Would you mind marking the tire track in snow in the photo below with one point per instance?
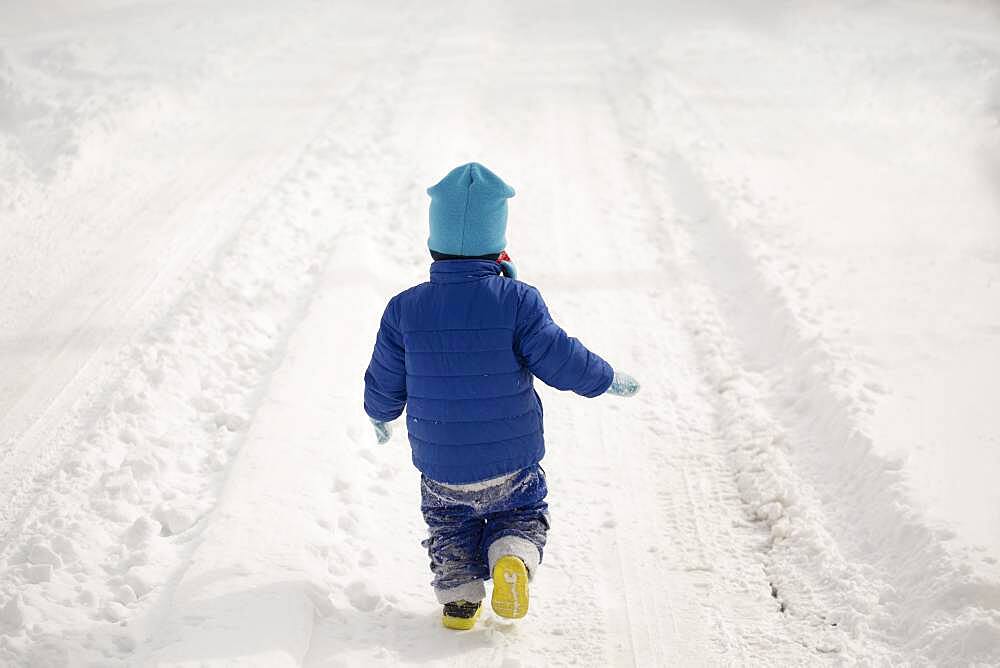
(114, 251)
(792, 426)
(58, 381)
(148, 469)
(681, 575)
(744, 429)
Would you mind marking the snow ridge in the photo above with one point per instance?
(258, 600)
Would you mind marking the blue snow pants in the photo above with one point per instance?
(463, 524)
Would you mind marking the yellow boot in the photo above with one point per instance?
(461, 615)
(510, 587)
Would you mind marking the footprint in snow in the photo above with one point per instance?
(367, 559)
(348, 524)
(362, 596)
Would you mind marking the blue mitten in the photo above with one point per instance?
(623, 385)
(382, 431)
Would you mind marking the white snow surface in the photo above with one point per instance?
(782, 218)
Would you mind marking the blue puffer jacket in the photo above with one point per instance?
(460, 353)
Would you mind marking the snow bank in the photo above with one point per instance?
(90, 563)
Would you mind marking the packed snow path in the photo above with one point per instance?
(207, 210)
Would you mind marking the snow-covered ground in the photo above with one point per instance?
(783, 218)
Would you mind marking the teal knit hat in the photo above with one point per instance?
(468, 213)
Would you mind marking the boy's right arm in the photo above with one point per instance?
(385, 379)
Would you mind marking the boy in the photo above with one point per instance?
(460, 353)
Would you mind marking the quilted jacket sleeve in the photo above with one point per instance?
(553, 356)
(385, 379)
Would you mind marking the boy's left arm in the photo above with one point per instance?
(553, 356)
(385, 379)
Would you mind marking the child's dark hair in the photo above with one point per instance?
(444, 256)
